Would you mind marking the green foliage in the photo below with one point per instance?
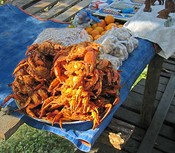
(31, 140)
(2, 2)
(142, 76)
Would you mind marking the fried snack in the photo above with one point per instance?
(60, 84)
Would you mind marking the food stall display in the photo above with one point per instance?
(63, 84)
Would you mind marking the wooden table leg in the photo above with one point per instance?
(150, 91)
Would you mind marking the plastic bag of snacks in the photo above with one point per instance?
(116, 62)
(83, 19)
(64, 36)
(118, 42)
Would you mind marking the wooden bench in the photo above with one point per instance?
(64, 10)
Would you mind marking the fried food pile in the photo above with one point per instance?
(59, 84)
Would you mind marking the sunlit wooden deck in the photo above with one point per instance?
(130, 112)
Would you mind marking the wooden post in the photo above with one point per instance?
(150, 91)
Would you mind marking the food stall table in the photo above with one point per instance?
(17, 43)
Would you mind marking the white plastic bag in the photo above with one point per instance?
(64, 36)
(116, 62)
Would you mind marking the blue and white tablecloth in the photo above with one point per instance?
(19, 30)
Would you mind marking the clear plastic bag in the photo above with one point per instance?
(83, 19)
(64, 36)
(120, 51)
(116, 62)
(121, 33)
(118, 42)
(108, 44)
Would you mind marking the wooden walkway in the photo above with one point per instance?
(130, 113)
(62, 10)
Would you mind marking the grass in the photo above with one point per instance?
(31, 140)
(142, 76)
(2, 2)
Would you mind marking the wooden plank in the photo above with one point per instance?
(168, 66)
(170, 118)
(8, 125)
(172, 58)
(170, 61)
(138, 134)
(72, 11)
(136, 104)
(101, 148)
(40, 6)
(159, 116)
(140, 90)
(162, 81)
(134, 99)
(165, 74)
(132, 146)
(151, 86)
(173, 101)
(134, 118)
(58, 9)
(156, 151)
(161, 88)
(165, 145)
(167, 132)
(104, 142)
(118, 126)
(128, 116)
(23, 4)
